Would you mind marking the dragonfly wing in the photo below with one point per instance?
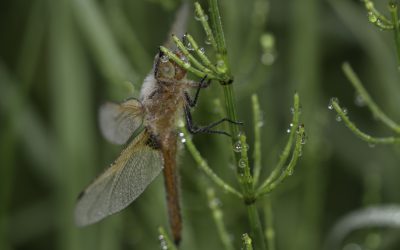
(118, 121)
(121, 183)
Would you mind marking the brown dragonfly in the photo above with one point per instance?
(163, 100)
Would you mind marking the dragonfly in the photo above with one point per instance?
(148, 128)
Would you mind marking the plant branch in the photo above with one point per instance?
(286, 151)
(214, 205)
(269, 222)
(257, 122)
(246, 242)
(290, 167)
(396, 28)
(165, 241)
(376, 111)
(359, 133)
(203, 165)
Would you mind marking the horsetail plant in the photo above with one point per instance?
(363, 98)
(248, 175)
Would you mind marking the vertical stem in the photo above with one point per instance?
(223, 68)
(255, 224)
(231, 110)
(269, 222)
(218, 218)
(257, 139)
(396, 28)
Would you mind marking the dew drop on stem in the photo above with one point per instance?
(359, 100)
(238, 147)
(242, 163)
(338, 118)
(198, 18)
(331, 101)
(345, 110)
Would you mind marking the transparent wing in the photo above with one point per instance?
(118, 121)
(121, 183)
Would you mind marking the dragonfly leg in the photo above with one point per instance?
(202, 84)
(206, 129)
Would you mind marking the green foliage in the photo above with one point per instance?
(60, 60)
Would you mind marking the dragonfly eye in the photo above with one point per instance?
(167, 70)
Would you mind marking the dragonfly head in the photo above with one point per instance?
(166, 68)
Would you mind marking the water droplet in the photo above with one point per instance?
(202, 50)
(338, 118)
(372, 17)
(344, 110)
(359, 100)
(163, 243)
(292, 110)
(183, 140)
(331, 101)
(186, 63)
(379, 22)
(371, 145)
(207, 41)
(288, 130)
(181, 134)
(290, 170)
(291, 125)
(198, 18)
(189, 46)
(242, 163)
(237, 147)
(164, 58)
(260, 123)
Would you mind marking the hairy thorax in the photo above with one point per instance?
(163, 103)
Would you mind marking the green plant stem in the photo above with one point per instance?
(286, 151)
(396, 28)
(290, 167)
(218, 218)
(246, 242)
(203, 19)
(231, 111)
(191, 58)
(269, 222)
(200, 54)
(376, 111)
(381, 21)
(217, 27)
(223, 68)
(359, 133)
(256, 228)
(165, 241)
(257, 122)
(203, 165)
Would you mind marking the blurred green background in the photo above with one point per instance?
(59, 60)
